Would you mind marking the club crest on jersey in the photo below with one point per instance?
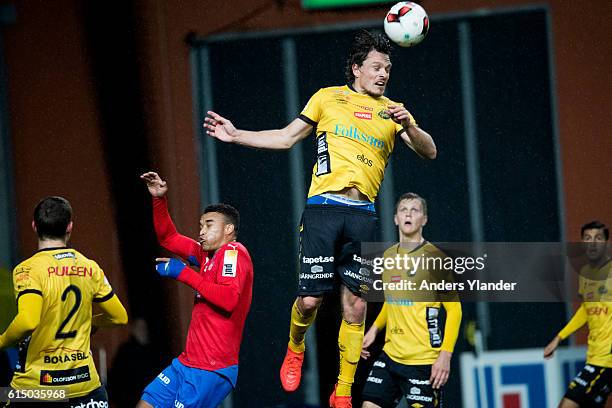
(230, 262)
(383, 114)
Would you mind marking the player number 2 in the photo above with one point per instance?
(77, 302)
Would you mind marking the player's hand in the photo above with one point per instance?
(169, 267)
(440, 370)
(368, 339)
(399, 114)
(157, 187)
(549, 350)
(219, 127)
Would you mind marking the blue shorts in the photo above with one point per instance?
(187, 387)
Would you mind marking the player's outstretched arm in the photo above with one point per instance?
(276, 139)
(416, 138)
(440, 369)
(113, 314)
(25, 322)
(166, 232)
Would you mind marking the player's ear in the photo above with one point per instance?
(229, 229)
(355, 69)
(34, 226)
(395, 220)
(424, 220)
(69, 228)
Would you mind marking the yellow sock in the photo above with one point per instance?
(297, 329)
(350, 340)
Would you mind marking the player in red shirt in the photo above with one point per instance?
(205, 373)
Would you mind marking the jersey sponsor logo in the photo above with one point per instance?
(375, 380)
(596, 311)
(380, 364)
(417, 405)
(178, 404)
(64, 377)
(316, 269)
(415, 391)
(230, 261)
(419, 398)
(64, 358)
(63, 255)
(316, 275)
(92, 403)
(363, 115)
(323, 158)
(364, 160)
(357, 276)
(363, 261)
(397, 330)
(72, 270)
(416, 381)
(318, 259)
(354, 133)
(164, 378)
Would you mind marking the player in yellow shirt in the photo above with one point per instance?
(591, 387)
(55, 290)
(356, 128)
(415, 361)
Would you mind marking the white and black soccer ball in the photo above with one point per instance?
(406, 24)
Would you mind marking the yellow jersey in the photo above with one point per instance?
(57, 354)
(354, 139)
(414, 335)
(596, 291)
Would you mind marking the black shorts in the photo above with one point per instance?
(330, 248)
(591, 387)
(97, 398)
(388, 381)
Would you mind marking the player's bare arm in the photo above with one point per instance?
(368, 339)
(275, 139)
(157, 187)
(550, 348)
(416, 138)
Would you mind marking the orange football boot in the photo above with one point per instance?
(339, 402)
(291, 370)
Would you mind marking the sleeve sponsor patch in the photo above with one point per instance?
(230, 263)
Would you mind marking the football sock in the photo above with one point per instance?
(298, 327)
(350, 340)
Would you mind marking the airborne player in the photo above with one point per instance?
(356, 128)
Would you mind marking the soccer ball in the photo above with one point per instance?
(406, 24)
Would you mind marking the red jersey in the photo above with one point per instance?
(223, 299)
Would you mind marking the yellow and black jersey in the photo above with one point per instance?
(596, 291)
(354, 138)
(414, 334)
(57, 353)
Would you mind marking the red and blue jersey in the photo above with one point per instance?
(223, 296)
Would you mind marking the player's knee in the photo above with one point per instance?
(309, 304)
(354, 311)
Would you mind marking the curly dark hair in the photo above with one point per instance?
(364, 42)
(596, 225)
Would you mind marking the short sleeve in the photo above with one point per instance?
(104, 290)
(311, 113)
(26, 279)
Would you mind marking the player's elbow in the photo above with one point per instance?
(30, 323)
(431, 153)
(121, 319)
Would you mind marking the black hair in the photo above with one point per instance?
(52, 216)
(232, 216)
(411, 196)
(364, 42)
(595, 225)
